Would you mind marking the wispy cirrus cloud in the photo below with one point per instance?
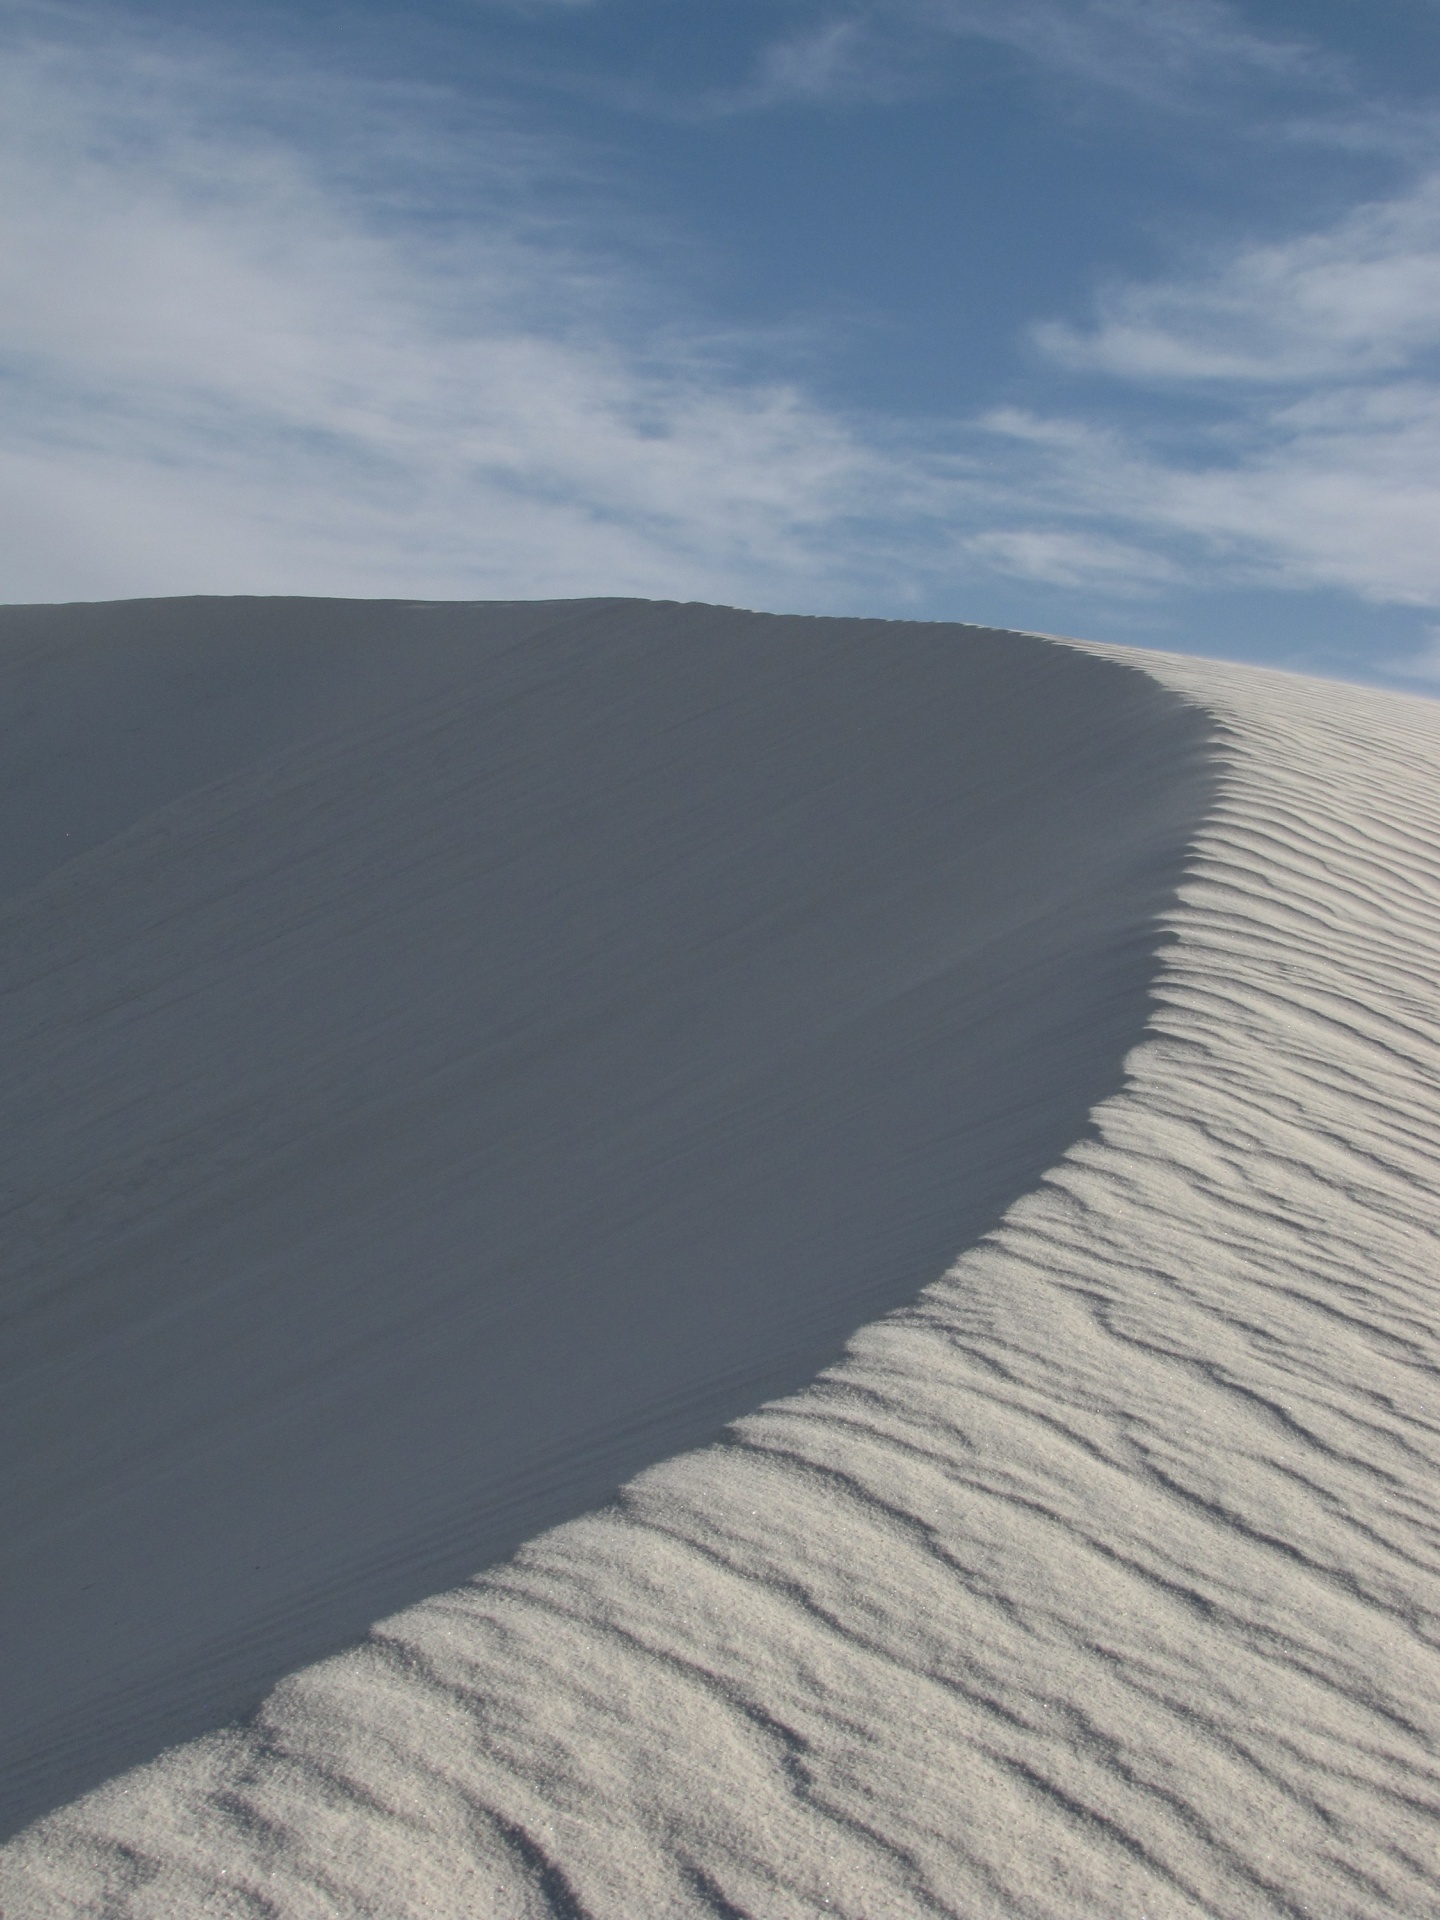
(835, 59)
(1338, 490)
(388, 357)
(1067, 557)
(227, 364)
(1147, 47)
(827, 59)
(1420, 666)
(1358, 298)
(1316, 458)
(1168, 52)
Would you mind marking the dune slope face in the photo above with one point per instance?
(1098, 1579)
(459, 1056)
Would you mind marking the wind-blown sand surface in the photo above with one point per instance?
(459, 1057)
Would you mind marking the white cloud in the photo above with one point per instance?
(1065, 558)
(1316, 462)
(866, 53)
(224, 370)
(228, 366)
(829, 61)
(1139, 46)
(1153, 50)
(1359, 298)
(1339, 490)
(1423, 664)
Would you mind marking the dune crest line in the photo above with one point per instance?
(1098, 1579)
(459, 1056)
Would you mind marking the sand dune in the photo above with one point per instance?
(452, 1087)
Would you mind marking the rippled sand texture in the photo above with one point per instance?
(1100, 1580)
(546, 1034)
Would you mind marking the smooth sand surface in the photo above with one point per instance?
(456, 1107)
(474, 1053)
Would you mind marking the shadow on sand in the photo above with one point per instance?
(461, 1054)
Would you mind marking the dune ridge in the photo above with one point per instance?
(478, 1050)
(1098, 1579)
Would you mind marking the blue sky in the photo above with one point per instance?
(1108, 317)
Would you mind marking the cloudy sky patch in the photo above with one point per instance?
(1078, 314)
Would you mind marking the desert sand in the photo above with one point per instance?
(831, 1224)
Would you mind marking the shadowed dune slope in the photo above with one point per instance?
(457, 1056)
(1100, 1580)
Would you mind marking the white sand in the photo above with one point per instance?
(642, 994)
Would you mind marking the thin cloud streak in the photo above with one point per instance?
(1360, 298)
(205, 336)
(1150, 48)
(1066, 558)
(1339, 491)
(1157, 52)
(1337, 486)
(230, 365)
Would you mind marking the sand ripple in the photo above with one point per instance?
(1101, 1580)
